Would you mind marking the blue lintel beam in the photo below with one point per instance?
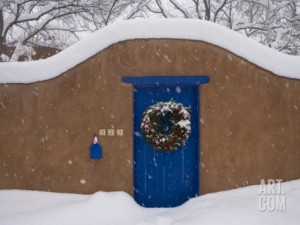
(166, 80)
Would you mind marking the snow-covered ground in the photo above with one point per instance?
(241, 206)
(186, 29)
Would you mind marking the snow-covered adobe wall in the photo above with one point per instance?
(250, 117)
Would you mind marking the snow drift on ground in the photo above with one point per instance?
(234, 207)
(188, 29)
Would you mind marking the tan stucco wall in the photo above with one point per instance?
(250, 120)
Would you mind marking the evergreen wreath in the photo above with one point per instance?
(166, 125)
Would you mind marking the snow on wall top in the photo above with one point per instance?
(188, 29)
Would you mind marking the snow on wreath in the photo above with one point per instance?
(166, 125)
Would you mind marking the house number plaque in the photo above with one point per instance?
(111, 132)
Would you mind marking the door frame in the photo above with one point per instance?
(164, 81)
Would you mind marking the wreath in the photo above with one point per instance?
(166, 125)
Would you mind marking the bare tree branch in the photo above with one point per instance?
(180, 8)
(219, 9)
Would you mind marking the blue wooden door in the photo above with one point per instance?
(166, 179)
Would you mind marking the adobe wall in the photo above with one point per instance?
(250, 120)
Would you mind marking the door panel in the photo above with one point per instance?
(166, 179)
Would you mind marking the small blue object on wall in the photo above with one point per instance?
(95, 149)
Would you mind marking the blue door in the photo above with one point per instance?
(166, 179)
